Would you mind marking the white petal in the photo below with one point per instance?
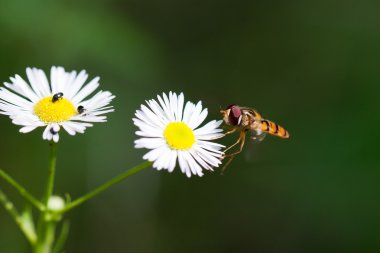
(194, 167)
(166, 107)
(200, 118)
(45, 87)
(200, 160)
(162, 161)
(56, 137)
(158, 111)
(46, 133)
(76, 85)
(98, 102)
(150, 143)
(58, 79)
(34, 82)
(210, 127)
(68, 129)
(55, 127)
(188, 112)
(87, 90)
(173, 160)
(89, 118)
(212, 146)
(209, 157)
(154, 154)
(21, 87)
(154, 122)
(195, 115)
(27, 129)
(12, 98)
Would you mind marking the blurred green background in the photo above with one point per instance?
(311, 66)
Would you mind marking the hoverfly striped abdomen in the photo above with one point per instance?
(274, 129)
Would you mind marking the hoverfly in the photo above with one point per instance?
(245, 119)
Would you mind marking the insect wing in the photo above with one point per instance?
(257, 137)
(252, 112)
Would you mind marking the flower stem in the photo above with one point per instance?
(25, 226)
(46, 238)
(29, 197)
(106, 186)
(47, 225)
(62, 237)
(51, 172)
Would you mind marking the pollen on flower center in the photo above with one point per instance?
(179, 136)
(57, 111)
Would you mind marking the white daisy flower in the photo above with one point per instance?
(171, 132)
(62, 103)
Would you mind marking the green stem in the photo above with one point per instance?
(46, 226)
(46, 238)
(62, 237)
(51, 172)
(29, 197)
(105, 186)
(23, 224)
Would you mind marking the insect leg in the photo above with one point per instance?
(233, 145)
(230, 131)
(232, 156)
(226, 165)
(242, 141)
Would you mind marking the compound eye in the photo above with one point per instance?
(234, 115)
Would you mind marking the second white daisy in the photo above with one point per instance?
(169, 128)
(62, 103)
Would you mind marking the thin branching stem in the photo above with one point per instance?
(29, 197)
(105, 186)
(24, 226)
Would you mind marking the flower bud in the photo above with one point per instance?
(56, 203)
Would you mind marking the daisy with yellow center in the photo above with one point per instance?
(61, 103)
(170, 129)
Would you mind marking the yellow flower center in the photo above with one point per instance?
(179, 136)
(50, 111)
